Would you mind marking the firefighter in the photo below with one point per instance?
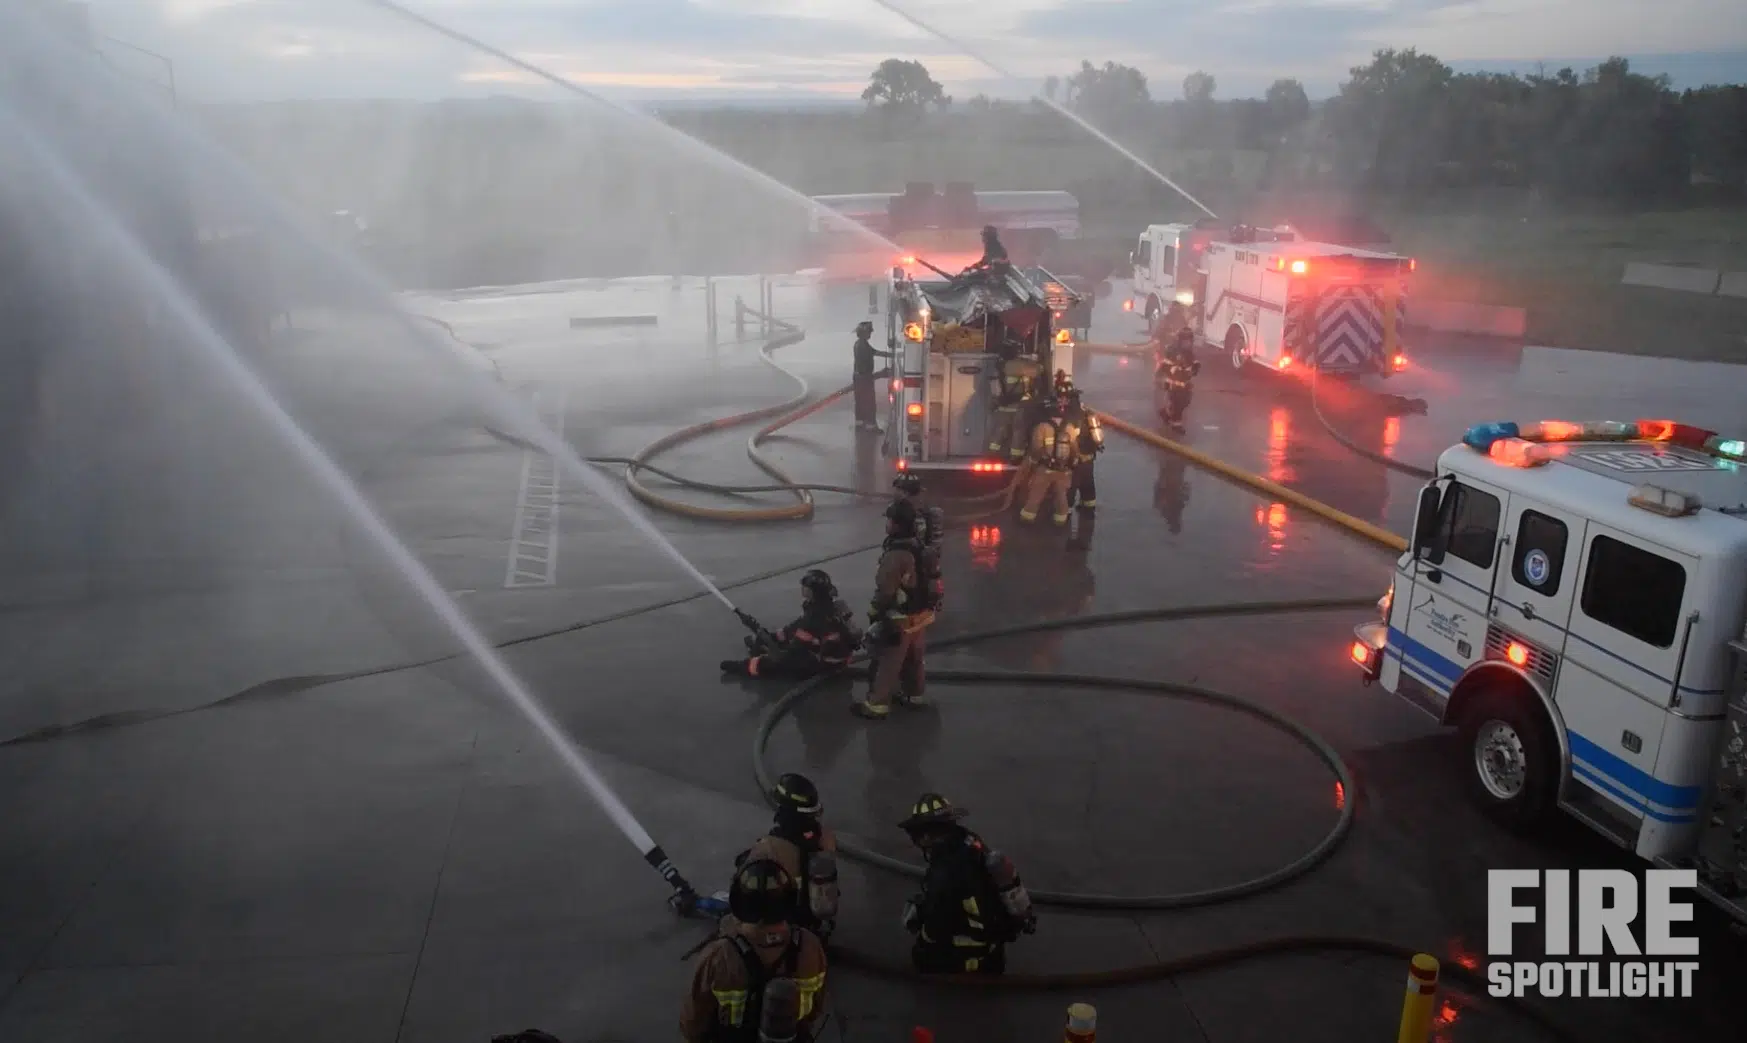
(1174, 379)
(865, 353)
(755, 944)
(796, 835)
(972, 902)
(1083, 488)
(1054, 451)
(897, 620)
(1015, 387)
(821, 639)
(925, 544)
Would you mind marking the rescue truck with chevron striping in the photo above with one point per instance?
(1267, 297)
(1573, 600)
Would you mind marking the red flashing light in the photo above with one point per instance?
(1559, 430)
(1412, 264)
(1299, 267)
(903, 465)
(1677, 434)
(1127, 305)
(1518, 654)
(1285, 360)
(1361, 653)
(897, 384)
(988, 467)
(914, 409)
(906, 260)
(1399, 362)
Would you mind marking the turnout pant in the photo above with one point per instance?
(1047, 482)
(864, 399)
(899, 666)
(1085, 484)
(787, 663)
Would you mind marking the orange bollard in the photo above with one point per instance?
(1082, 1024)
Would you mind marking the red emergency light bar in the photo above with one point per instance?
(988, 467)
(1675, 433)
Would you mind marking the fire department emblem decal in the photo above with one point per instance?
(1537, 567)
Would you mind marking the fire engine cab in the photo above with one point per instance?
(951, 339)
(1573, 600)
(1268, 297)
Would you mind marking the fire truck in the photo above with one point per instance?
(949, 336)
(1268, 297)
(1573, 600)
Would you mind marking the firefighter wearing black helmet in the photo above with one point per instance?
(898, 618)
(972, 903)
(821, 639)
(1083, 486)
(756, 945)
(805, 847)
(865, 354)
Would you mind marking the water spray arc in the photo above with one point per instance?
(78, 199)
(1062, 110)
(684, 140)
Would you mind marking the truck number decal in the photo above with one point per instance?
(1622, 460)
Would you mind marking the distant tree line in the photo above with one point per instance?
(1407, 123)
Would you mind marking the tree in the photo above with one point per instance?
(903, 86)
(1108, 93)
(1388, 116)
(1198, 88)
(1288, 105)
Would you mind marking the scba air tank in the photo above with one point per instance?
(822, 885)
(1014, 897)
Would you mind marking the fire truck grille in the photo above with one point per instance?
(1541, 663)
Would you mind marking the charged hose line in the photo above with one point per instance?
(1162, 969)
(1357, 449)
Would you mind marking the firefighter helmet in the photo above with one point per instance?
(762, 892)
(816, 585)
(864, 328)
(931, 809)
(907, 483)
(795, 792)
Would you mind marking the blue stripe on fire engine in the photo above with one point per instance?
(1601, 768)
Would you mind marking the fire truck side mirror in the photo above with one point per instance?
(1427, 527)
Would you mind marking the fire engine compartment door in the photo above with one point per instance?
(1536, 581)
(958, 404)
(1346, 328)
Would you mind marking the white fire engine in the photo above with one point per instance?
(948, 337)
(1573, 600)
(1268, 297)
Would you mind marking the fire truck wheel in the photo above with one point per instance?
(1234, 348)
(1510, 759)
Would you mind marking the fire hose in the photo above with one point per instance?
(1161, 969)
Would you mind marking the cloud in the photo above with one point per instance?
(248, 49)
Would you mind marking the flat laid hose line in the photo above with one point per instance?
(1157, 970)
(1357, 449)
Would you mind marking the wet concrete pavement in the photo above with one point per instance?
(400, 857)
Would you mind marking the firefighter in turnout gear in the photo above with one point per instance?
(799, 842)
(1083, 489)
(865, 354)
(755, 945)
(898, 619)
(1174, 377)
(1015, 386)
(972, 902)
(820, 640)
(1054, 452)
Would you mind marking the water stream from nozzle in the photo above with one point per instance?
(60, 179)
(1062, 110)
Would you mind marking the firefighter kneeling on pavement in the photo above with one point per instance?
(755, 946)
(822, 639)
(800, 842)
(899, 618)
(972, 902)
(1054, 452)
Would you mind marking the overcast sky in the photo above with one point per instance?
(255, 49)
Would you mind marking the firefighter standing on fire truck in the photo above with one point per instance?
(1015, 386)
(1054, 452)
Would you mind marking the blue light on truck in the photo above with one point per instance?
(1481, 436)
